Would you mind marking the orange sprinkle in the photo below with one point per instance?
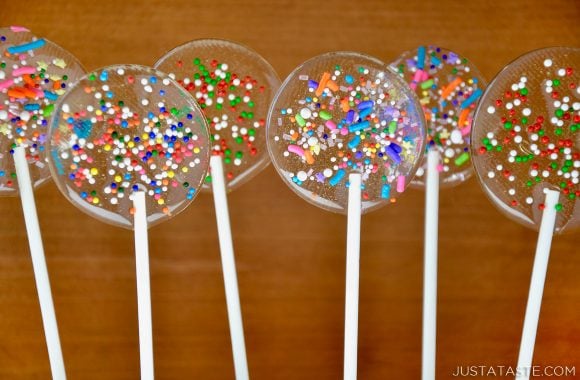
(463, 118)
(447, 90)
(56, 85)
(309, 158)
(322, 84)
(344, 105)
(16, 93)
(132, 211)
(332, 85)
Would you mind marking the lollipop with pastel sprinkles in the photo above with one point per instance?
(234, 86)
(346, 134)
(34, 74)
(449, 87)
(526, 152)
(129, 146)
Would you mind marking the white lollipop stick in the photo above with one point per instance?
(430, 270)
(143, 287)
(229, 268)
(537, 285)
(352, 276)
(39, 265)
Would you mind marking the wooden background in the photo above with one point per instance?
(290, 255)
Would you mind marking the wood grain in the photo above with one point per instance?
(291, 256)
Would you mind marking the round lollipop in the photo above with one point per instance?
(34, 73)
(526, 152)
(347, 135)
(234, 87)
(129, 147)
(448, 87)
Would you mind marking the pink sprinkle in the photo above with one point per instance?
(296, 149)
(440, 168)
(331, 125)
(465, 131)
(424, 76)
(344, 131)
(6, 84)
(17, 29)
(400, 184)
(23, 70)
(418, 75)
(413, 85)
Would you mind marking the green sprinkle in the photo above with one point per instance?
(462, 159)
(325, 115)
(427, 84)
(47, 111)
(559, 207)
(300, 120)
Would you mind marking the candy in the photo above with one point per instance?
(361, 119)
(34, 74)
(448, 87)
(124, 129)
(526, 137)
(234, 87)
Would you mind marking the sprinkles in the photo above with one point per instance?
(34, 74)
(124, 129)
(340, 113)
(234, 87)
(526, 136)
(448, 87)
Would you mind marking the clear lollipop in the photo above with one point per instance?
(526, 152)
(34, 73)
(130, 147)
(346, 134)
(449, 87)
(234, 87)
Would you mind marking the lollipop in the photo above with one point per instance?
(129, 147)
(526, 152)
(234, 87)
(347, 135)
(448, 87)
(34, 73)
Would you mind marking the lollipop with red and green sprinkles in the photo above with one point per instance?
(527, 137)
(526, 152)
(124, 129)
(34, 74)
(234, 86)
(448, 87)
(347, 135)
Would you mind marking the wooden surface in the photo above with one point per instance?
(290, 255)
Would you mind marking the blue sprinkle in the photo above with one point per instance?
(467, 102)
(421, 57)
(354, 142)
(386, 191)
(337, 177)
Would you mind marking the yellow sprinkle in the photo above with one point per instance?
(98, 112)
(196, 150)
(160, 201)
(131, 144)
(107, 147)
(170, 174)
(118, 178)
(94, 171)
(95, 200)
(59, 62)
(184, 169)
